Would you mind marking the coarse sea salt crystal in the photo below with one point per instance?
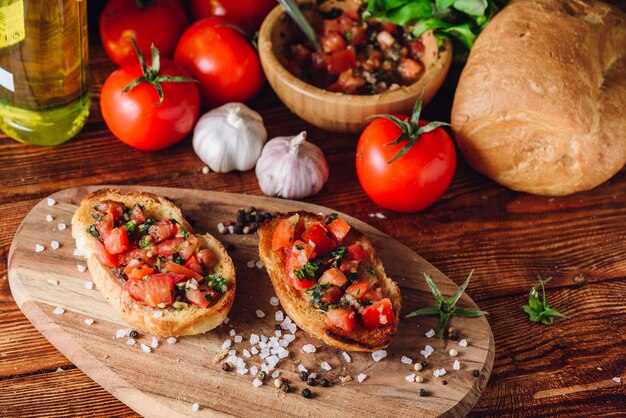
(238, 338)
(254, 370)
(50, 201)
(463, 343)
(130, 341)
(380, 215)
(89, 285)
(61, 226)
(254, 351)
(120, 333)
(292, 328)
(89, 321)
(439, 372)
(617, 379)
(58, 311)
(145, 348)
(410, 378)
(325, 366)
(39, 248)
(425, 353)
(430, 333)
(256, 383)
(309, 348)
(78, 253)
(226, 320)
(226, 344)
(301, 368)
(276, 374)
(232, 352)
(346, 357)
(274, 301)
(429, 349)
(259, 264)
(171, 340)
(157, 314)
(279, 316)
(278, 333)
(379, 355)
(283, 353)
(456, 365)
(254, 339)
(242, 371)
(195, 407)
(289, 337)
(154, 343)
(260, 313)
(250, 264)
(246, 353)
(361, 377)
(232, 332)
(49, 218)
(59, 369)
(406, 360)
(81, 268)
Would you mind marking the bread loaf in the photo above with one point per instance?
(541, 104)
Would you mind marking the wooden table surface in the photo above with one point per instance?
(509, 238)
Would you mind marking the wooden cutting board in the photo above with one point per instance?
(167, 381)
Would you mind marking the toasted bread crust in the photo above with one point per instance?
(312, 321)
(172, 322)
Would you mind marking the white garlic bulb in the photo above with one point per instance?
(292, 168)
(229, 138)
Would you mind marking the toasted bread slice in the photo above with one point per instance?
(313, 321)
(171, 321)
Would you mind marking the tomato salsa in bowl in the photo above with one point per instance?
(362, 68)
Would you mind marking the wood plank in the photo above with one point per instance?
(123, 373)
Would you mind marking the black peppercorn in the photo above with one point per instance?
(134, 334)
(277, 327)
(475, 373)
(304, 376)
(306, 392)
(226, 367)
(423, 392)
(424, 364)
(454, 336)
(238, 229)
(259, 218)
(325, 383)
(310, 381)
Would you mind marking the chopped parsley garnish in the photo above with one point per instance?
(299, 247)
(331, 218)
(317, 293)
(131, 227)
(216, 282)
(174, 221)
(144, 242)
(178, 259)
(93, 231)
(184, 233)
(146, 225)
(97, 216)
(309, 271)
(338, 253)
(372, 271)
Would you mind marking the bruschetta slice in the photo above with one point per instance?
(329, 280)
(150, 266)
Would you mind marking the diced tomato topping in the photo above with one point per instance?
(349, 266)
(374, 295)
(201, 297)
(300, 54)
(378, 315)
(183, 271)
(136, 288)
(140, 254)
(410, 70)
(385, 39)
(104, 257)
(358, 36)
(169, 247)
(389, 27)
(358, 289)
(334, 276)
(284, 233)
(162, 230)
(347, 83)
(319, 236)
(137, 215)
(331, 295)
(337, 26)
(301, 284)
(117, 241)
(138, 271)
(206, 258)
(341, 318)
(333, 42)
(339, 228)
(356, 252)
(105, 226)
(192, 263)
(115, 209)
(159, 289)
(293, 263)
(320, 61)
(188, 247)
(341, 61)
(303, 250)
(417, 49)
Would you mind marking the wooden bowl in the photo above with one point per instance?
(340, 112)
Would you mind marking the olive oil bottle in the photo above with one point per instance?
(44, 88)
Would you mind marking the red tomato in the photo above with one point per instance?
(169, 247)
(182, 271)
(206, 258)
(192, 263)
(293, 263)
(162, 230)
(222, 60)
(104, 257)
(358, 289)
(341, 61)
(137, 215)
(339, 228)
(378, 315)
(283, 236)
(304, 248)
(331, 295)
(334, 276)
(415, 180)
(333, 42)
(188, 247)
(117, 241)
(248, 13)
(138, 271)
(202, 297)
(322, 239)
(135, 118)
(356, 252)
(374, 295)
(105, 226)
(159, 289)
(341, 318)
(160, 24)
(136, 288)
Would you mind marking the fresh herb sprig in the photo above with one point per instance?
(460, 19)
(446, 308)
(539, 310)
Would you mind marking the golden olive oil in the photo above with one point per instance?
(44, 88)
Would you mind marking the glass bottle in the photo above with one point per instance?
(44, 88)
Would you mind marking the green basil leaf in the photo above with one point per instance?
(471, 7)
(444, 4)
(411, 12)
(425, 25)
(463, 33)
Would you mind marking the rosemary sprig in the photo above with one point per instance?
(539, 310)
(446, 308)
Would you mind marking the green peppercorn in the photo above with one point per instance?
(285, 387)
(306, 392)
(261, 375)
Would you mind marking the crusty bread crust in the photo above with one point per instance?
(190, 320)
(540, 104)
(313, 321)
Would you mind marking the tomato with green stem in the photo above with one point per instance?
(150, 108)
(404, 163)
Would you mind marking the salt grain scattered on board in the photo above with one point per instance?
(49, 218)
(232, 332)
(410, 378)
(256, 383)
(325, 366)
(309, 348)
(617, 379)
(463, 343)
(406, 360)
(259, 264)
(346, 357)
(58, 311)
(226, 344)
(361, 377)
(226, 320)
(55, 245)
(51, 201)
(39, 248)
(430, 333)
(154, 343)
(250, 264)
(61, 226)
(456, 365)
(279, 316)
(171, 340)
(301, 368)
(379, 355)
(89, 285)
(81, 268)
(238, 338)
(195, 407)
(130, 341)
(274, 301)
(59, 369)
(89, 321)
(260, 313)
(145, 348)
